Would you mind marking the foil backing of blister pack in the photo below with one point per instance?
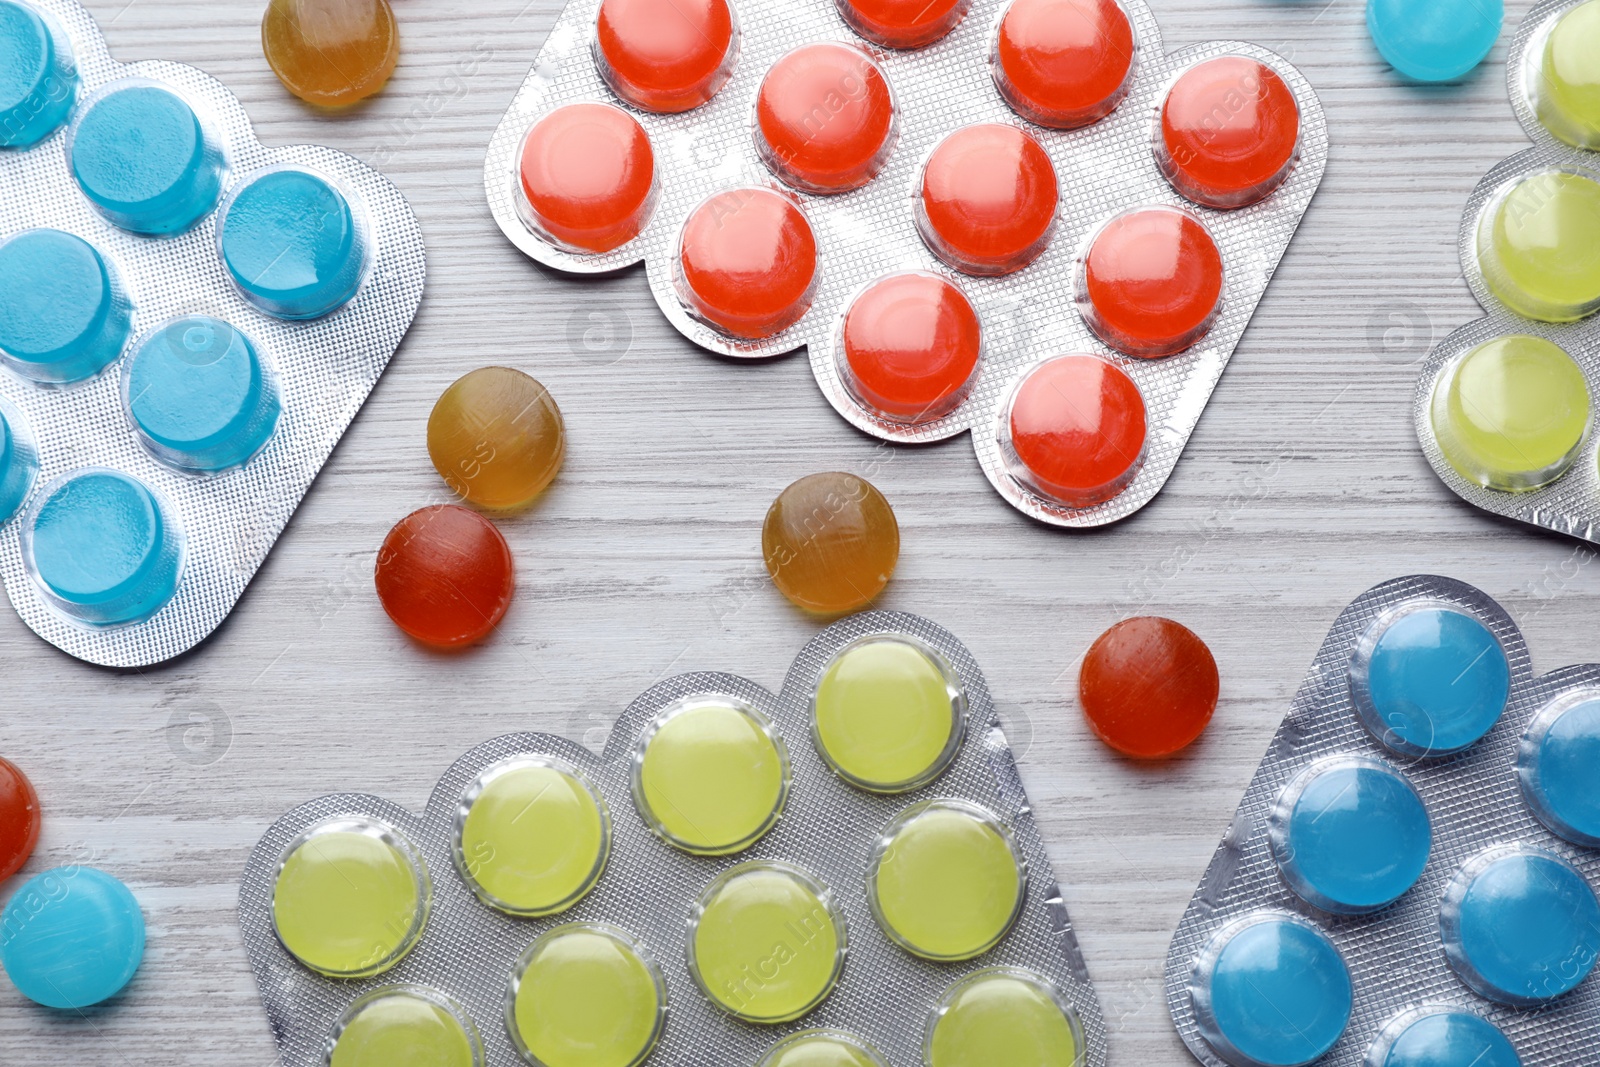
(1395, 956)
(1027, 316)
(885, 995)
(1570, 504)
(325, 368)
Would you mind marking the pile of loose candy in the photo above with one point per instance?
(975, 219)
(845, 873)
(1504, 405)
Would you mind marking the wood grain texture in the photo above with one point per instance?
(1302, 486)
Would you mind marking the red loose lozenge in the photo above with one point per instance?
(19, 818)
(1063, 63)
(911, 343)
(988, 199)
(1148, 687)
(1075, 430)
(825, 120)
(665, 55)
(747, 262)
(589, 176)
(1151, 281)
(1230, 132)
(903, 23)
(444, 575)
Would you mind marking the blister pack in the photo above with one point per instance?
(1504, 405)
(1409, 879)
(189, 320)
(844, 872)
(974, 221)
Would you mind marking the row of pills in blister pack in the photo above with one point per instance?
(198, 392)
(709, 775)
(1513, 413)
(1351, 834)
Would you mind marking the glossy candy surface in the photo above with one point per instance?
(588, 175)
(1568, 97)
(444, 575)
(1512, 413)
(1148, 686)
(64, 314)
(38, 77)
(103, 549)
(1539, 246)
(830, 542)
(1429, 681)
(1271, 991)
(1521, 926)
(666, 55)
(1556, 765)
(1076, 429)
(19, 464)
(19, 818)
(764, 919)
(331, 52)
(1434, 40)
(584, 996)
(903, 23)
(403, 1027)
(883, 716)
(911, 343)
(350, 899)
(1242, 156)
(825, 120)
(988, 199)
(1443, 1039)
(747, 262)
(1003, 1016)
(292, 243)
(710, 777)
(534, 837)
(74, 938)
(144, 159)
(497, 437)
(200, 396)
(1152, 281)
(945, 882)
(1063, 63)
(822, 1048)
(1350, 835)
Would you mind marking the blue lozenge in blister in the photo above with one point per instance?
(1434, 40)
(1521, 926)
(293, 243)
(19, 461)
(144, 158)
(64, 314)
(1270, 990)
(38, 76)
(1429, 680)
(1558, 763)
(1441, 1037)
(102, 547)
(74, 936)
(200, 395)
(1350, 834)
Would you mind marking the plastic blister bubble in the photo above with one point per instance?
(67, 376)
(1504, 405)
(1027, 306)
(886, 1000)
(1516, 952)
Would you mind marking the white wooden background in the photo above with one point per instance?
(1302, 486)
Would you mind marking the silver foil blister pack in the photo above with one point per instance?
(322, 364)
(1407, 959)
(862, 235)
(1563, 495)
(468, 950)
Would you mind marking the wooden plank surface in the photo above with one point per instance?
(1302, 486)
